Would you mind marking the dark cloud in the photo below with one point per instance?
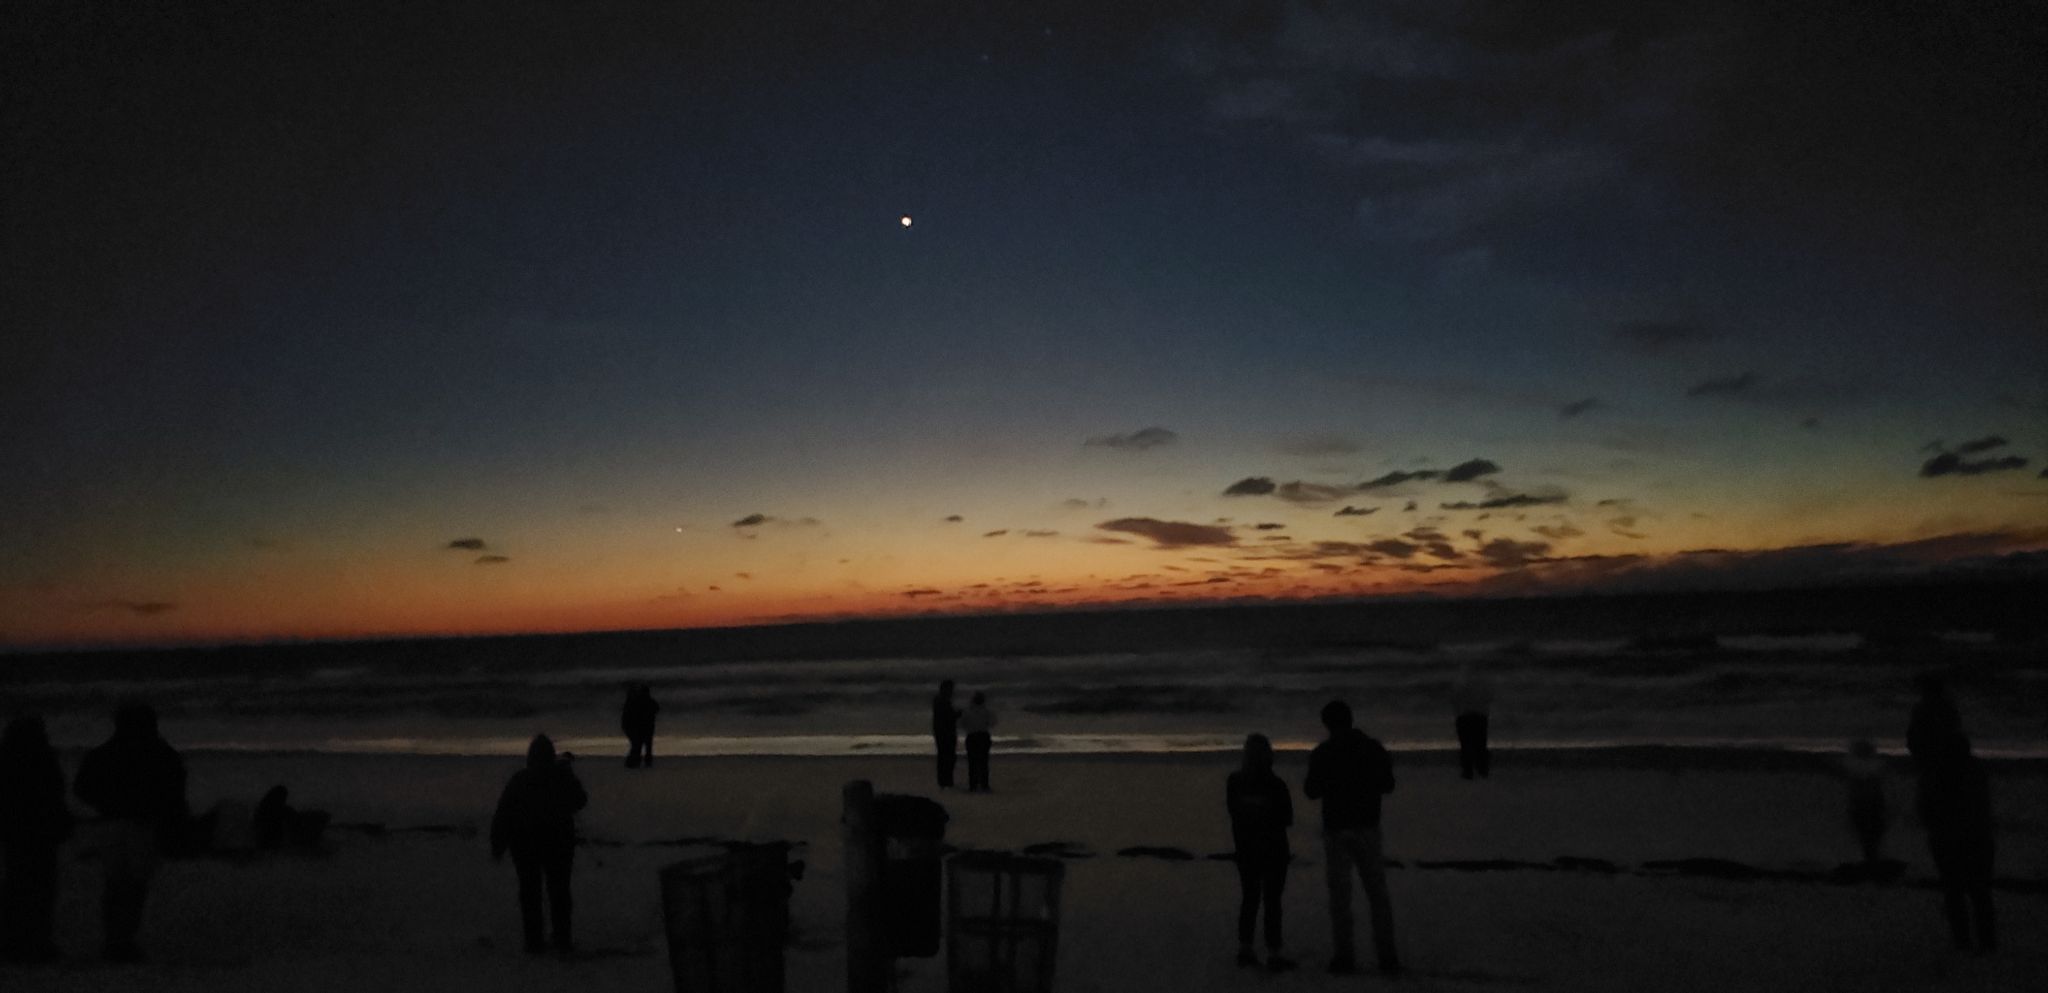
(1984, 444)
(927, 591)
(1952, 464)
(1143, 439)
(492, 560)
(1725, 386)
(1392, 546)
(1171, 534)
(1250, 486)
(954, 518)
(1320, 446)
(996, 533)
(467, 545)
(1659, 337)
(1398, 477)
(1510, 554)
(1301, 492)
(140, 608)
(1077, 503)
(1577, 407)
(1267, 527)
(1557, 532)
(1507, 500)
(752, 521)
(1349, 511)
(1041, 534)
(1778, 568)
(756, 520)
(1465, 472)
(1409, 508)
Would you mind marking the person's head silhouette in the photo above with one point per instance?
(134, 720)
(980, 699)
(946, 689)
(541, 753)
(1337, 717)
(1258, 753)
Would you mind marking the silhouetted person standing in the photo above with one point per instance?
(137, 783)
(1472, 700)
(1955, 807)
(977, 721)
(34, 820)
(637, 720)
(536, 822)
(1868, 816)
(1349, 772)
(1261, 811)
(945, 733)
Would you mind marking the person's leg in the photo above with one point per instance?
(14, 914)
(531, 876)
(38, 893)
(1480, 724)
(130, 860)
(1372, 871)
(1337, 874)
(633, 745)
(977, 761)
(943, 749)
(1465, 746)
(648, 759)
(1247, 906)
(561, 904)
(1274, 885)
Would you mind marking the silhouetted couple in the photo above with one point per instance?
(1955, 808)
(637, 720)
(536, 822)
(1349, 772)
(947, 724)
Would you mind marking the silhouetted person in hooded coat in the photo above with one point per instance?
(1955, 807)
(34, 820)
(1261, 811)
(945, 733)
(977, 720)
(1349, 772)
(637, 720)
(1471, 702)
(536, 822)
(136, 782)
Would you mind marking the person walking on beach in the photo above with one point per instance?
(1261, 811)
(945, 733)
(1349, 772)
(637, 720)
(536, 822)
(136, 782)
(1935, 719)
(1955, 808)
(33, 822)
(976, 720)
(1864, 771)
(1471, 700)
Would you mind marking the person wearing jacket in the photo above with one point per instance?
(136, 782)
(1349, 772)
(1261, 811)
(636, 719)
(1955, 808)
(945, 733)
(976, 721)
(34, 820)
(536, 822)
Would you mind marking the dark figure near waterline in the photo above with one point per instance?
(1472, 700)
(1261, 811)
(136, 782)
(945, 733)
(536, 822)
(1349, 772)
(279, 824)
(637, 720)
(33, 822)
(1868, 813)
(977, 720)
(1955, 807)
(1934, 720)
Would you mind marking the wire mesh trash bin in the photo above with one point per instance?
(727, 917)
(913, 877)
(1003, 922)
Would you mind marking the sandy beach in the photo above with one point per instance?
(419, 905)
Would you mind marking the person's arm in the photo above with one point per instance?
(577, 796)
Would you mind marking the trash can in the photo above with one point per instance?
(913, 876)
(1002, 933)
(727, 917)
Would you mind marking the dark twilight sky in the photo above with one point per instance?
(344, 319)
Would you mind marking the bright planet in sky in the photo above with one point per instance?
(905, 220)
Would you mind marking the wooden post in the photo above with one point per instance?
(867, 957)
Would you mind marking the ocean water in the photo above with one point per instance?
(1809, 692)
